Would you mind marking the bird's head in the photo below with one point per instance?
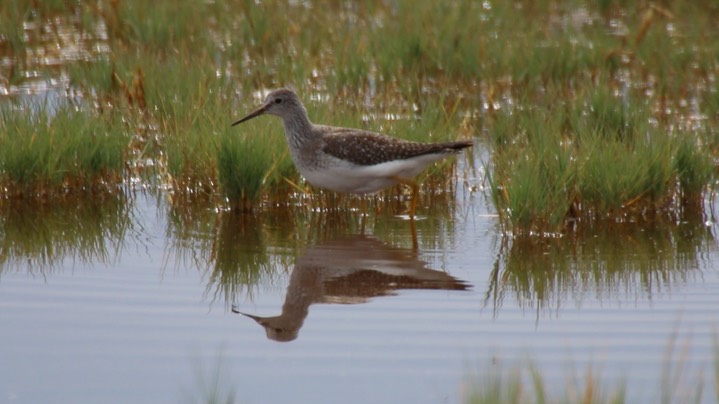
(283, 103)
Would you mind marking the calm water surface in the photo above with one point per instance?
(134, 301)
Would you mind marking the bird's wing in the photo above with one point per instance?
(370, 148)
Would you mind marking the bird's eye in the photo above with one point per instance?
(278, 100)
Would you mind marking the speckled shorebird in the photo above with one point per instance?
(350, 160)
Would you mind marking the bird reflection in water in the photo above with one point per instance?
(349, 271)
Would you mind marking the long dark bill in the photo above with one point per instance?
(258, 319)
(259, 111)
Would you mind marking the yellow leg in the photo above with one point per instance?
(413, 204)
(413, 229)
(363, 215)
(415, 190)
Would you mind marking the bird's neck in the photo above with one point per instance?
(298, 129)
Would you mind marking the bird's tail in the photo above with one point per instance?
(459, 145)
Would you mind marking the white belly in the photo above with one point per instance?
(341, 176)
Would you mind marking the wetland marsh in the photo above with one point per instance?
(571, 255)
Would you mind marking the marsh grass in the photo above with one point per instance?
(15, 32)
(596, 157)
(618, 86)
(620, 155)
(247, 164)
(254, 164)
(524, 383)
(190, 154)
(165, 27)
(532, 180)
(11, 19)
(46, 155)
(96, 77)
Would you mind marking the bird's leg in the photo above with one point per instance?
(415, 195)
(412, 184)
(363, 215)
(413, 229)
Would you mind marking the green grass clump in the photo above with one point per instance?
(694, 167)
(610, 79)
(623, 159)
(607, 117)
(593, 157)
(190, 118)
(612, 177)
(45, 152)
(254, 162)
(533, 174)
(422, 46)
(241, 169)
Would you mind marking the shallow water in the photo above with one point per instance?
(135, 301)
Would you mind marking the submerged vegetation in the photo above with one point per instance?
(601, 111)
(525, 383)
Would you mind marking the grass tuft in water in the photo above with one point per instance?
(694, 167)
(241, 170)
(627, 74)
(593, 157)
(46, 153)
(498, 385)
(533, 174)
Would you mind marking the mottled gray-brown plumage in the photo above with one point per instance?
(349, 160)
(370, 148)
